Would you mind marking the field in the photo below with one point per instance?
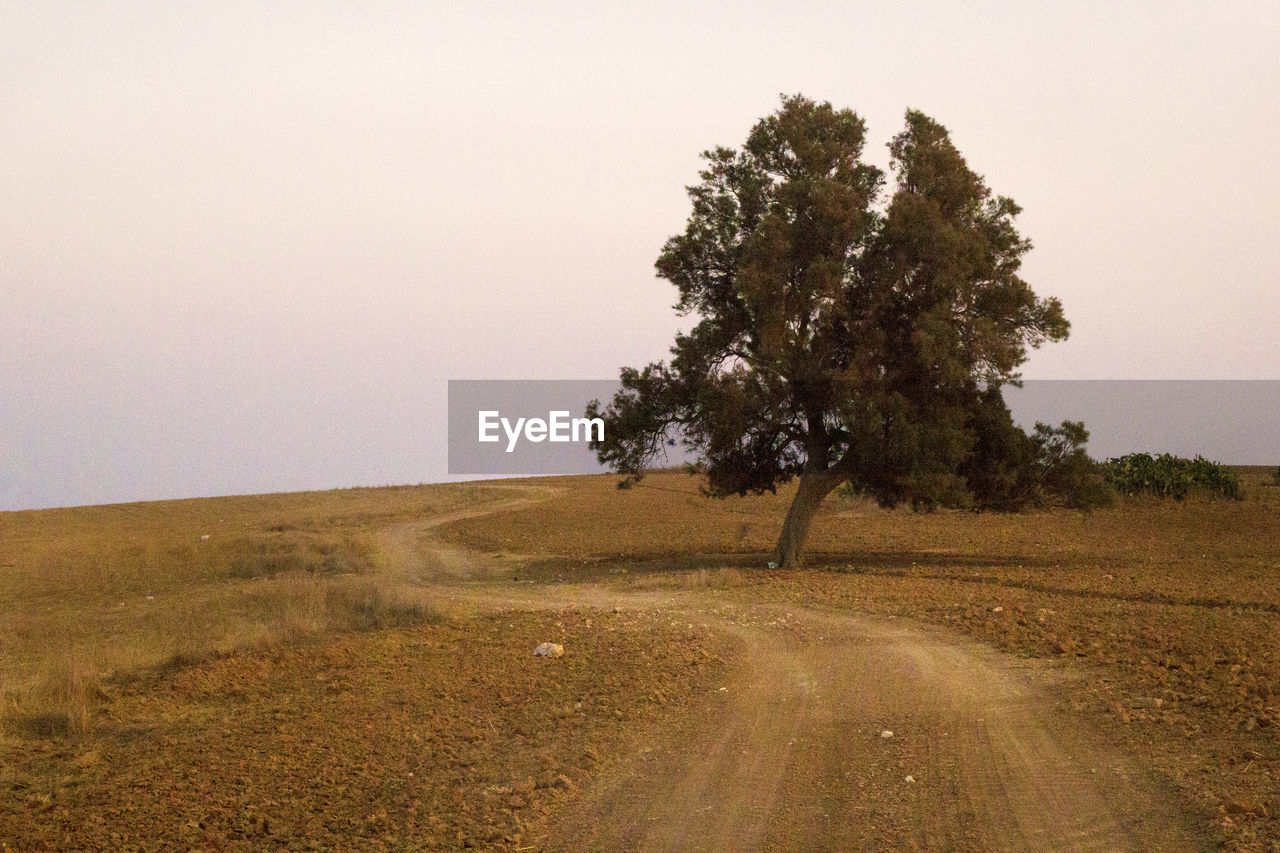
(354, 670)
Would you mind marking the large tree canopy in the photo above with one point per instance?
(841, 336)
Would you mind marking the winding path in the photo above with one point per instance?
(789, 754)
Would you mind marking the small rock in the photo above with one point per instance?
(549, 650)
(997, 610)
(204, 537)
(911, 779)
(886, 734)
(1145, 702)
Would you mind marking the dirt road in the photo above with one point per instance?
(794, 751)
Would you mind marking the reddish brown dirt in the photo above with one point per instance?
(706, 703)
(792, 757)
(434, 737)
(1161, 616)
(788, 752)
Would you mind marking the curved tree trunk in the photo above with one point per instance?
(814, 488)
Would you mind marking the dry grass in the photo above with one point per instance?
(1200, 550)
(93, 592)
(62, 701)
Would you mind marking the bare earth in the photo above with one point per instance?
(792, 752)
(352, 670)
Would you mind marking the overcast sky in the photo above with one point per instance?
(244, 245)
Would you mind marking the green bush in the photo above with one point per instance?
(1169, 476)
(1005, 469)
(1067, 473)
(1009, 470)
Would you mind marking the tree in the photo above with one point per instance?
(841, 338)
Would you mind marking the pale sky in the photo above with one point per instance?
(246, 244)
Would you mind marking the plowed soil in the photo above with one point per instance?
(943, 682)
(844, 731)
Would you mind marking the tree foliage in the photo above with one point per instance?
(842, 335)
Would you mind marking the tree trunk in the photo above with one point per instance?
(814, 488)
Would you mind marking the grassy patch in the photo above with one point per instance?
(255, 557)
(95, 591)
(63, 699)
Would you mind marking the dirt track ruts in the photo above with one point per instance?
(789, 754)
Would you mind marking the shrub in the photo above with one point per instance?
(1066, 472)
(1166, 475)
(1009, 470)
